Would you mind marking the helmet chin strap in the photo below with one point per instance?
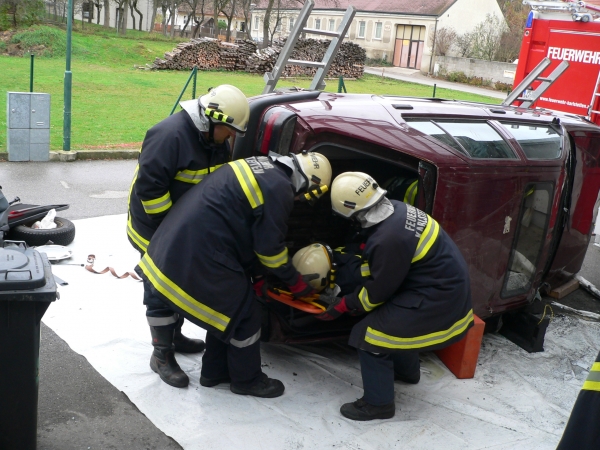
(211, 132)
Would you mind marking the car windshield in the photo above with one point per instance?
(537, 141)
(477, 139)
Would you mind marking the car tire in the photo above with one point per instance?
(63, 234)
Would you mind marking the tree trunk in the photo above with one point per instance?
(216, 19)
(153, 19)
(267, 21)
(164, 21)
(106, 13)
(132, 16)
(124, 20)
(173, 11)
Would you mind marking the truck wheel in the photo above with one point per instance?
(63, 234)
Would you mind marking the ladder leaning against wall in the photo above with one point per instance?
(318, 83)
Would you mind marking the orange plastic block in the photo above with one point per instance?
(461, 357)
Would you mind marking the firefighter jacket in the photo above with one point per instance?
(416, 287)
(175, 156)
(582, 431)
(201, 258)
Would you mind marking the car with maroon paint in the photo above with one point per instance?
(516, 188)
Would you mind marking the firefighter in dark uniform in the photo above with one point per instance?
(582, 431)
(416, 294)
(177, 154)
(205, 256)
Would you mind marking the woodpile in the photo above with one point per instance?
(207, 53)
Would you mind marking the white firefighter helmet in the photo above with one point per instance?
(314, 258)
(226, 105)
(352, 192)
(314, 167)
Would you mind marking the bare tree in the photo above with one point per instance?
(486, 37)
(106, 13)
(133, 5)
(233, 10)
(464, 44)
(218, 5)
(444, 40)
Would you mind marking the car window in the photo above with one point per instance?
(537, 141)
(479, 139)
(428, 127)
(476, 139)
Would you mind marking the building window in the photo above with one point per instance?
(378, 28)
(331, 25)
(317, 24)
(361, 29)
(256, 22)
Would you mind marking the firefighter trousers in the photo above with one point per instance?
(378, 369)
(240, 358)
(158, 312)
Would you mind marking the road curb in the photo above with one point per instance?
(83, 155)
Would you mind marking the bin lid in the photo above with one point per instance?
(21, 268)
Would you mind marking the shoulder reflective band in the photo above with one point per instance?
(157, 205)
(592, 383)
(365, 270)
(380, 339)
(427, 239)
(180, 298)
(218, 115)
(273, 262)
(411, 193)
(248, 182)
(195, 176)
(140, 242)
(363, 296)
(246, 342)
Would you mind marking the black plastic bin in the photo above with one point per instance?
(27, 288)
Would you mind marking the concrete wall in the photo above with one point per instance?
(490, 70)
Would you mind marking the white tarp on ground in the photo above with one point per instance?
(516, 400)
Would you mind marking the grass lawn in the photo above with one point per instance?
(113, 103)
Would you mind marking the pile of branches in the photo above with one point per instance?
(207, 53)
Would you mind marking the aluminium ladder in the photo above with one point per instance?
(271, 78)
(534, 75)
(594, 109)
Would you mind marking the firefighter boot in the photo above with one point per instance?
(163, 358)
(184, 344)
(361, 410)
(264, 387)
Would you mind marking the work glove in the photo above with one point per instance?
(260, 287)
(301, 288)
(337, 307)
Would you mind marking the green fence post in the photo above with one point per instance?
(68, 82)
(195, 71)
(31, 74)
(182, 91)
(434, 86)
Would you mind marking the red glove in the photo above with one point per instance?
(259, 287)
(301, 288)
(335, 310)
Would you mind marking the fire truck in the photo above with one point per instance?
(559, 61)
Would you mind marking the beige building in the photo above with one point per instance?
(398, 31)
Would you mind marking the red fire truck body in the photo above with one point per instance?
(577, 42)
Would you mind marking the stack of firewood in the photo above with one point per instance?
(207, 53)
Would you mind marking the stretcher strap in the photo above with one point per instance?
(308, 304)
(90, 268)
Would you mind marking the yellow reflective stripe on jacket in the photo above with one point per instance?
(427, 239)
(181, 298)
(380, 339)
(365, 270)
(411, 193)
(363, 296)
(273, 262)
(195, 176)
(248, 182)
(157, 205)
(136, 237)
(592, 383)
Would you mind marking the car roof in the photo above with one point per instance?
(382, 120)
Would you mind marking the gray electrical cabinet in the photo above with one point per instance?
(28, 121)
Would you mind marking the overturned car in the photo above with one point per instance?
(515, 188)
